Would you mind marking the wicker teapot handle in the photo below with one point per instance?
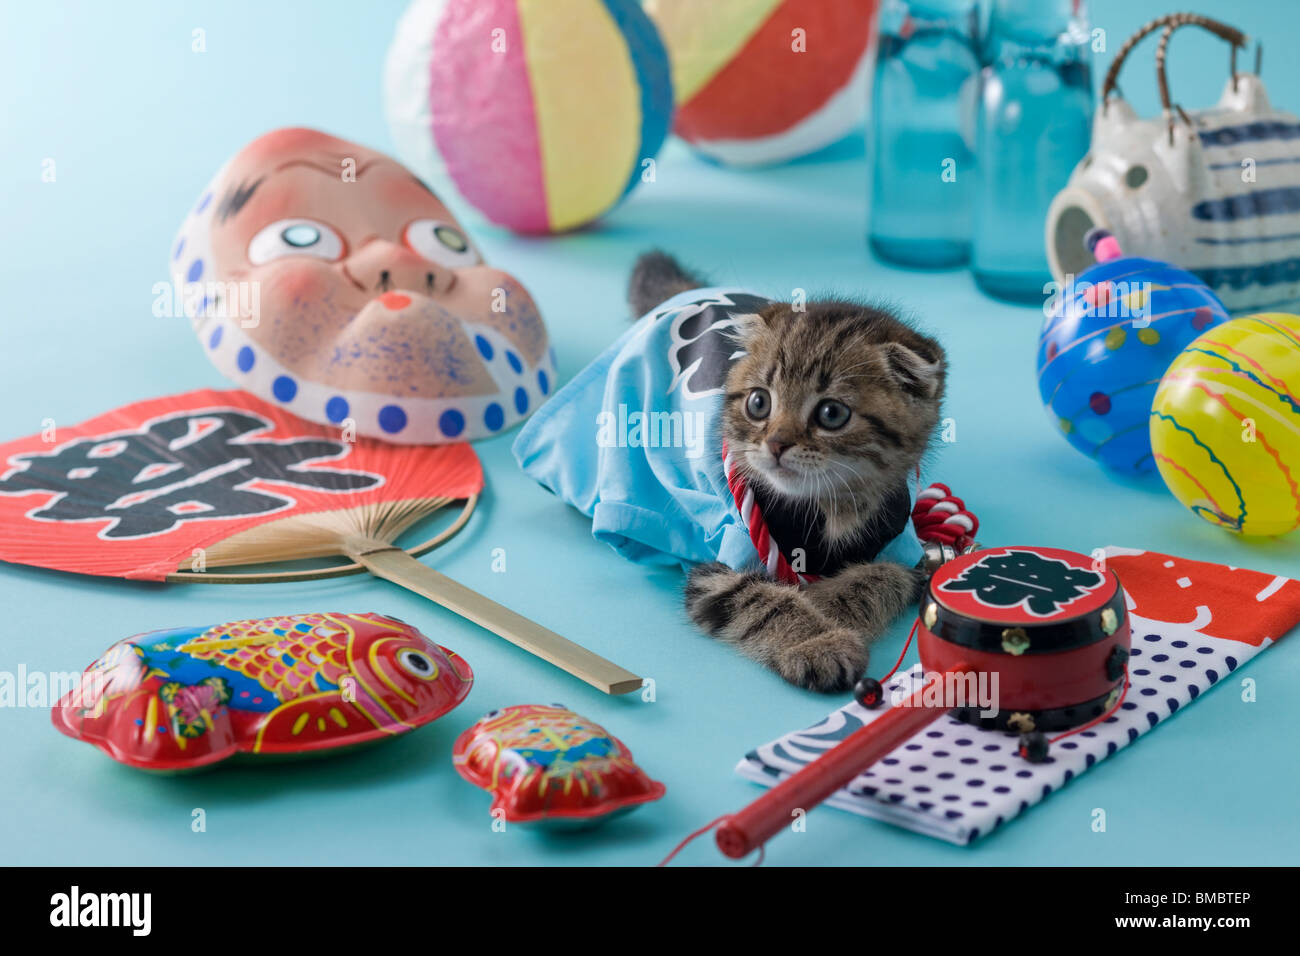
(1170, 23)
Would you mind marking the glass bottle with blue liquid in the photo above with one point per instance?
(927, 70)
(1033, 125)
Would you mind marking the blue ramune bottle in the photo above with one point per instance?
(1033, 126)
(923, 166)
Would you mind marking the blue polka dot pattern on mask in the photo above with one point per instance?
(392, 419)
(215, 338)
(451, 422)
(203, 203)
(494, 417)
(543, 382)
(245, 359)
(521, 401)
(196, 270)
(515, 364)
(336, 409)
(484, 348)
(284, 388)
(180, 247)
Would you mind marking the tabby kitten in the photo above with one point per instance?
(827, 414)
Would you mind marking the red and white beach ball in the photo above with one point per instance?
(763, 81)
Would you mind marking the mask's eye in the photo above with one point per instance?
(295, 237)
(441, 243)
(417, 663)
(758, 404)
(832, 415)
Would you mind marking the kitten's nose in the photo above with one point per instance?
(778, 448)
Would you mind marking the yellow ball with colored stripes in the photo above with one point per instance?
(1225, 425)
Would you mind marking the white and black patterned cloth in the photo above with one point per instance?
(957, 782)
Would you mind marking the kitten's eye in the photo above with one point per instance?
(832, 415)
(758, 405)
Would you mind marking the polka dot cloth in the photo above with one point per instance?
(957, 782)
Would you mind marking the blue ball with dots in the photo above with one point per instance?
(1112, 333)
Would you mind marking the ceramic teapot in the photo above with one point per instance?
(1215, 191)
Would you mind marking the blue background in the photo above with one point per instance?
(137, 123)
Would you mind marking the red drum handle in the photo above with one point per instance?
(743, 832)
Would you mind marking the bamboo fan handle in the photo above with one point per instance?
(394, 564)
(320, 574)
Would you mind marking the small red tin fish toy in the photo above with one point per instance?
(546, 763)
(189, 697)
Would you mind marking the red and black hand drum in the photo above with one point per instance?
(1051, 625)
(1046, 630)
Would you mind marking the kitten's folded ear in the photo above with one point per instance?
(750, 323)
(919, 372)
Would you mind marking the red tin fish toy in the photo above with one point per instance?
(546, 763)
(189, 697)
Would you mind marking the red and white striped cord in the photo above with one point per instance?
(939, 515)
(751, 514)
(936, 516)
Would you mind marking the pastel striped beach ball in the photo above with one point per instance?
(1225, 425)
(764, 81)
(542, 114)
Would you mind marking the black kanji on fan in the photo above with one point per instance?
(198, 465)
(1043, 585)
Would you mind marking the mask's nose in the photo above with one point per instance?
(381, 266)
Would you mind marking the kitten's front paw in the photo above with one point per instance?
(920, 578)
(709, 588)
(830, 663)
(867, 597)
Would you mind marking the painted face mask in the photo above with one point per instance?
(325, 277)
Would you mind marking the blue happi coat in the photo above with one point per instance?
(633, 441)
